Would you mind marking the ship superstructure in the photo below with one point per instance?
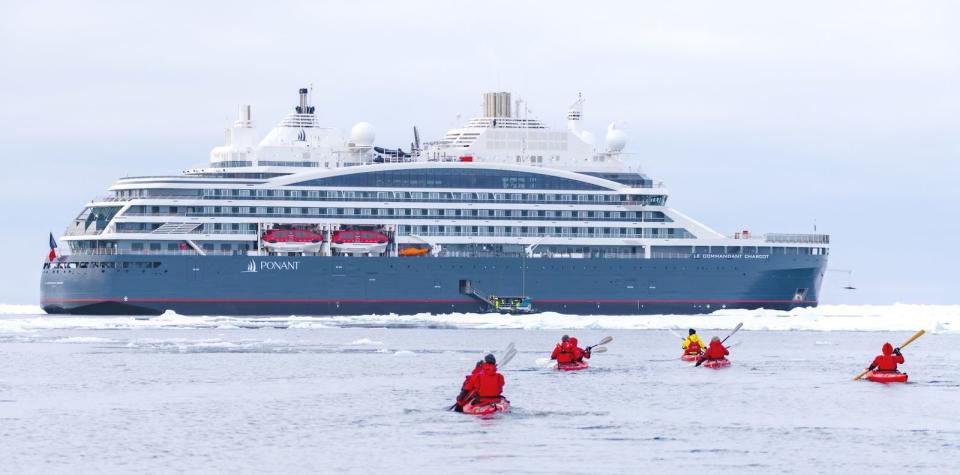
(305, 221)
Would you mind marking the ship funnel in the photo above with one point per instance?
(303, 108)
(496, 104)
(244, 117)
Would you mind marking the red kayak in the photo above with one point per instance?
(575, 366)
(716, 364)
(887, 377)
(484, 409)
(689, 357)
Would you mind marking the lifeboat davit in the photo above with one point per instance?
(414, 251)
(292, 240)
(359, 242)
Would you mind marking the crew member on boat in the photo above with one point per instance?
(562, 352)
(693, 345)
(888, 360)
(465, 388)
(486, 383)
(578, 353)
(716, 350)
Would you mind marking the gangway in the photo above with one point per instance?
(514, 304)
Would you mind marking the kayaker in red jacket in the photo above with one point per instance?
(465, 388)
(487, 383)
(888, 360)
(563, 353)
(716, 350)
(578, 353)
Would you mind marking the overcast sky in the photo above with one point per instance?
(768, 116)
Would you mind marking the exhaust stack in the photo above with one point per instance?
(303, 108)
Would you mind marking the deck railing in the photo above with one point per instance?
(798, 238)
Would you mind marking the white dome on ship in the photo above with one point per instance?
(362, 134)
(616, 138)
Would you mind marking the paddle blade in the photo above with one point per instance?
(507, 357)
(543, 362)
(605, 341)
(599, 349)
(862, 374)
(735, 330)
(676, 334)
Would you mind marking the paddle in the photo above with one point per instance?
(676, 334)
(507, 357)
(904, 345)
(604, 341)
(736, 329)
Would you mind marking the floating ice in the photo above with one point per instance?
(82, 339)
(365, 341)
(896, 317)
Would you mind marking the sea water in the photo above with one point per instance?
(369, 395)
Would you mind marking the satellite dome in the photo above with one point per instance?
(616, 138)
(362, 134)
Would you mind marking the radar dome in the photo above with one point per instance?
(362, 134)
(616, 138)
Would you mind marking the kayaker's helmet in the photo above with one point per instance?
(716, 338)
(565, 338)
(693, 332)
(490, 359)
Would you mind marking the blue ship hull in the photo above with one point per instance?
(274, 285)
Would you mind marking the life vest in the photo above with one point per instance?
(488, 382)
(716, 351)
(563, 353)
(887, 361)
(689, 343)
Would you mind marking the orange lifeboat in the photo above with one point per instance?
(414, 251)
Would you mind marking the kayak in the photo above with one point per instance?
(575, 366)
(503, 405)
(716, 364)
(689, 357)
(887, 377)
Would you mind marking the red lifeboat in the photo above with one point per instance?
(292, 240)
(359, 241)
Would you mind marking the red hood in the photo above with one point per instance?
(574, 342)
(887, 349)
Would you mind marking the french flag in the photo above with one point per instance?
(53, 248)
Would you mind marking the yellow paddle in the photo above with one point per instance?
(904, 345)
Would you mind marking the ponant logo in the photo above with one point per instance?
(272, 265)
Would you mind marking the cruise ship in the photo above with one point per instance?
(503, 214)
